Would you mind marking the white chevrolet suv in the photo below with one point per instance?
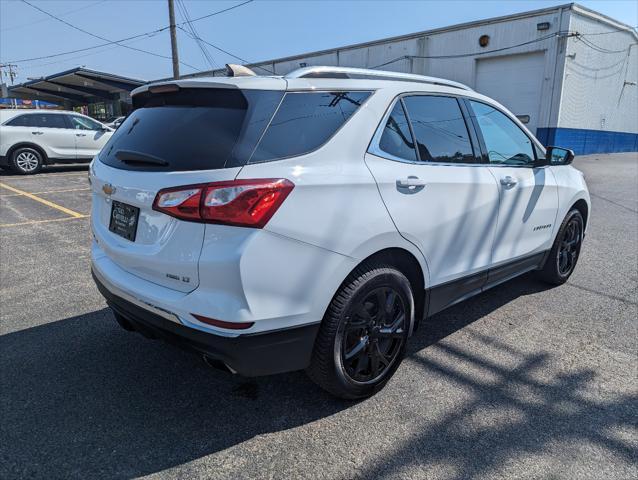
(311, 221)
(30, 139)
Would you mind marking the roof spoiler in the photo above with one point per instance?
(233, 70)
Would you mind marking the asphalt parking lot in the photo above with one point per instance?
(523, 381)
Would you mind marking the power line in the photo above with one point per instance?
(22, 25)
(607, 33)
(69, 59)
(100, 37)
(145, 34)
(195, 36)
(463, 55)
(220, 11)
(184, 12)
(196, 32)
(226, 52)
(546, 37)
(600, 49)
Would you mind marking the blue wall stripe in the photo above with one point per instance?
(583, 142)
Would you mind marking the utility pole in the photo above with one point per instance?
(171, 17)
(11, 74)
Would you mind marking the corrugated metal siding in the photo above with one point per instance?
(403, 54)
(452, 42)
(595, 93)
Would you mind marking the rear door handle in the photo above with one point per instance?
(80, 134)
(410, 182)
(37, 133)
(508, 181)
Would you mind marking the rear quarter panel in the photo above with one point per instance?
(335, 205)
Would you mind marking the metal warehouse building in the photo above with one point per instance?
(568, 72)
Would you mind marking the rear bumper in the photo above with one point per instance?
(250, 355)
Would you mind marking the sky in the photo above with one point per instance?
(259, 30)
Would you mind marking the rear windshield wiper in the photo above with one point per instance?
(129, 156)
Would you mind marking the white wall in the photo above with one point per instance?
(452, 41)
(515, 81)
(595, 93)
(584, 92)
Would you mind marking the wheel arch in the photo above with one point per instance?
(583, 208)
(38, 148)
(408, 264)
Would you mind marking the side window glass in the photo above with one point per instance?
(37, 120)
(396, 138)
(52, 120)
(20, 121)
(506, 143)
(81, 123)
(439, 128)
(305, 121)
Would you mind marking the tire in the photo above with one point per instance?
(359, 345)
(26, 161)
(563, 256)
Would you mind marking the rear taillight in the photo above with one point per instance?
(243, 203)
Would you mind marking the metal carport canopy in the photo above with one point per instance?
(79, 86)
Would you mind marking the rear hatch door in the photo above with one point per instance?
(174, 138)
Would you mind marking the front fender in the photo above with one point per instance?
(572, 187)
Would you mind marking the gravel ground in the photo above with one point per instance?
(523, 381)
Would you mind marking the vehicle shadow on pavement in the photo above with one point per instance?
(81, 398)
(522, 407)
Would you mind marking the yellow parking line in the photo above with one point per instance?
(43, 193)
(43, 201)
(32, 222)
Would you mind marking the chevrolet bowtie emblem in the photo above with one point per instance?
(108, 189)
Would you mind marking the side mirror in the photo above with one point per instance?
(559, 156)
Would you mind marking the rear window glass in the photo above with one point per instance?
(191, 129)
(305, 121)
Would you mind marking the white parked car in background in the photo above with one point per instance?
(30, 139)
(311, 221)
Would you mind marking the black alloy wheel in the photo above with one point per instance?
(569, 247)
(362, 338)
(563, 256)
(373, 335)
